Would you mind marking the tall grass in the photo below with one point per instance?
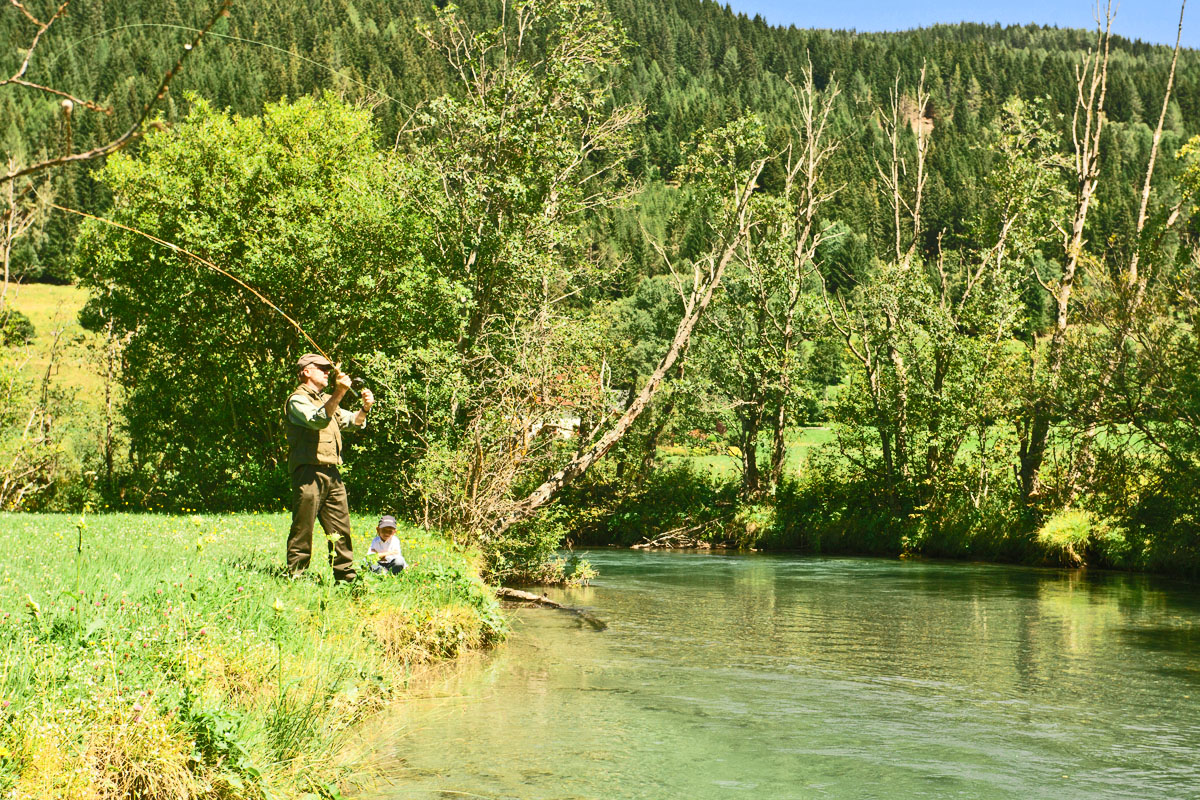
(170, 657)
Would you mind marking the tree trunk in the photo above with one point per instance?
(663, 416)
(1087, 169)
(933, 451)
(778, 442)
(901, 431)
(693, 310)
(779, 418)
(751, 422)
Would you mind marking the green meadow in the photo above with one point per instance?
(717, 460)
(157, 656)
(54, 310)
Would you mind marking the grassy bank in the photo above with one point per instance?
(172, 659)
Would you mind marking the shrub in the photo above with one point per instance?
(1065, 535)
(749, 524)
(997, 528)
(15, 328)
(604, 509)
(525, 552)
(1075, 538)
(827, 512)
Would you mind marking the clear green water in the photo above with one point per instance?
(781, 677)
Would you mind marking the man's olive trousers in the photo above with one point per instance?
(318, 492)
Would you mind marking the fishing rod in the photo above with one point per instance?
(356, 384)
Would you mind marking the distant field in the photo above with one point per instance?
(800, 443)
(52, 308)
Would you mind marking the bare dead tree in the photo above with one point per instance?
(807, 156)
(1087, 124)
(907, 203)
(706, 278)
(20, 210)
(18, 77)
(1130, 290)
(26, 192)
(132, 132)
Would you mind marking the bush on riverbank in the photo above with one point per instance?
(1075, 537)
(605, 509)
(173, 659)
(829, 511)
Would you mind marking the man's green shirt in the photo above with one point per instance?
(311, 414)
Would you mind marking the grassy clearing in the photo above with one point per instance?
(51, 308)
(173, 660)
(725, 466)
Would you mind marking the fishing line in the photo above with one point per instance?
(231, 37)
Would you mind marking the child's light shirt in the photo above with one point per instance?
(389, 551)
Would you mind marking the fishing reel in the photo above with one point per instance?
(356, 383)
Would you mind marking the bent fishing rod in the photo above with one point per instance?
(356, 384)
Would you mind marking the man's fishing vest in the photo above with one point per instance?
(308, 446)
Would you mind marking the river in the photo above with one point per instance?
(725, 676)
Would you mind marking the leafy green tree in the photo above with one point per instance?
(755, 354)
(935, 344)
(524, 149)
(298, 204)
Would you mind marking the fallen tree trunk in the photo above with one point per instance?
(686, 537)
(702, 291)
(519, 596)
(506, 593)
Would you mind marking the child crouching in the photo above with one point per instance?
(387, 546)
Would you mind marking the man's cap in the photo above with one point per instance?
(387, 521)
(308, 359)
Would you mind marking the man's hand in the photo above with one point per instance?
(368, 399)
(342, 385)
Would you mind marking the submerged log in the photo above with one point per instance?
(527, 597)
(517, 595)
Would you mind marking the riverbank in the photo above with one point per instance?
(170, 657)
(823, 512)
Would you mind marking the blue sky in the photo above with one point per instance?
(1148, 20)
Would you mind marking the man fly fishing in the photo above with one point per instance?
(315, 422)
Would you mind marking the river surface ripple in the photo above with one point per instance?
(787, 677)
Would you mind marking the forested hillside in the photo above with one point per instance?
(693, 65)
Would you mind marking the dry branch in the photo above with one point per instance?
(1090, 90)
(697, 302)
(134, 130)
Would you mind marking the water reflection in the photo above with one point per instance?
(779, 677)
